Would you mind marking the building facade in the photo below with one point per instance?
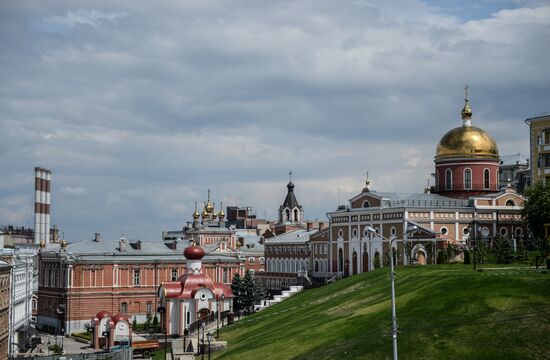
(5, 295)
(467, 204)
(539, 141)
(288, 259)
(192, 297)
(80, 279)
(23, 287)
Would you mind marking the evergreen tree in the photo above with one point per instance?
(237, 289)
(503, 251)
(249, 288)
(536, 212)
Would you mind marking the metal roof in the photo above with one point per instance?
(296, 236)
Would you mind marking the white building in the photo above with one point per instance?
(24, 285)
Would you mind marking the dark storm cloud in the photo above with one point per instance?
(139, 108)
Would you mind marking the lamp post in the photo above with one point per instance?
(394, 328)
(203, 323)
(209, 337)
(162, 310)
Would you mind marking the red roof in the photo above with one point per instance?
(189, 284)
(194, 252)
(100, 315)
(119, 317)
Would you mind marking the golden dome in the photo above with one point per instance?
(196, 214)
(221, 214)
(209, 207)
(204, 213)
(42, 244)
(63, 244)
(467, 142)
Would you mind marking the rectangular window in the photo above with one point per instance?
(149, 307)
(124, 307)
(174, 274)
(137, 277)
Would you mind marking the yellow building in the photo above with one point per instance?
(539, 139)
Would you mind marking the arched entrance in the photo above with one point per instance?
(203, 314)
(365, 261)
(354, 263)
(421, 258)
(316, 266)
(340, 260)
(346, 268)
(419, 255)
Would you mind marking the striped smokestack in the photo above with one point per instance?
(42, 178)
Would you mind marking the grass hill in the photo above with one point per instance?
(444, 312)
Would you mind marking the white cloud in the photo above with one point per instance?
(145, 106)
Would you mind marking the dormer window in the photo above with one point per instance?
(366, 204)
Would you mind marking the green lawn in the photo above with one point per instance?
(444, 312)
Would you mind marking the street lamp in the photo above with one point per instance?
(219, 316)
(392, 277)
(209, 337)
(203, 323)
(162, 310)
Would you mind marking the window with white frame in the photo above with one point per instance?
(137, 277)
(448, 179)
(467, 179)
(174, 274)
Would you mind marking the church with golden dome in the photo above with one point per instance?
(466, 160)
(465, 206)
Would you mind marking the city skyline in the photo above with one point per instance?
(139, 108)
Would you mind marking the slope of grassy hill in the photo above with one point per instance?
(444, 312)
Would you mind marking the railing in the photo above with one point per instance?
(433, 203)
(461, 187)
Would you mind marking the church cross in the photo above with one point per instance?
(290, 175)
(466, 87)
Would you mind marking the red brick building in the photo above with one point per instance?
(80, 279)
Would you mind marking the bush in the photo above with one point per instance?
(83, 335)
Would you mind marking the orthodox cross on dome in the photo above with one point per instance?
(367, 183)
(466, 110)
(290, 175)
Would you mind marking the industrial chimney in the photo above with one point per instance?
(42, 178)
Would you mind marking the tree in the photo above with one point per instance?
(503, 251)
(536, 212)
(376, 261)
(238, 292)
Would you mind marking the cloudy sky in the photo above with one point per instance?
(139, 107)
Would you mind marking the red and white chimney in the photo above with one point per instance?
(42, 179)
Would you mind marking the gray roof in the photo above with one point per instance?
(292, 237)
(251, 242)
(108, 250)
(395, 199)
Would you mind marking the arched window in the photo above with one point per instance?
(510, 202)
(316, 266)
(340, 259)
(486, 179)
(366, 204)
(467, 179)
(296, 219)
(448, 179)
(287, 215)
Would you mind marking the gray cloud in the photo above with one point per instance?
(144, 106)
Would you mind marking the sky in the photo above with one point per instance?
(140, 107)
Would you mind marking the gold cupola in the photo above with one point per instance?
(204, 213)
(209, 207)
(467, 141)
(196, 213)
(221, 214)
